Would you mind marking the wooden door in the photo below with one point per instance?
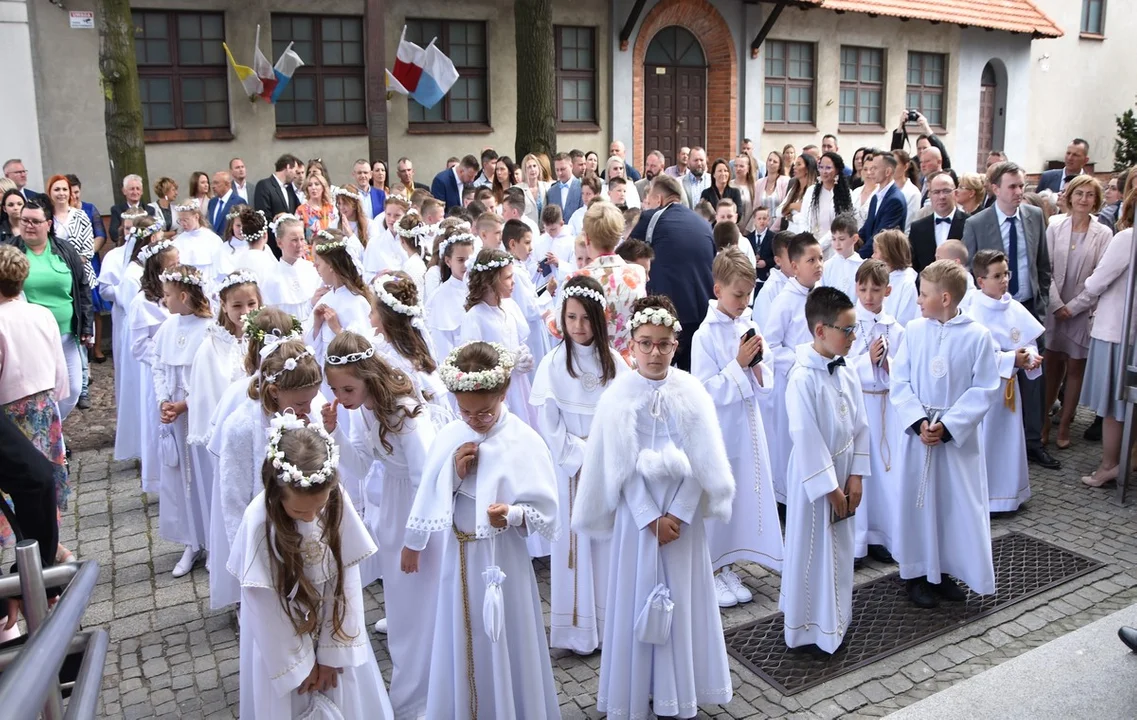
(987, 91)
(691, 107)
(675, 93)
(659, 118)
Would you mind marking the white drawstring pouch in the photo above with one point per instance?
(493, 605)
(653, 624)
(321, 708)
(167, 446)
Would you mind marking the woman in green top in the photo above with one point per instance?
(58, 282)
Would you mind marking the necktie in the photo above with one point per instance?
(943, 220)
(1013, 255)
(872, 212)
(217, 214)
(1068, 178)
(834, 364)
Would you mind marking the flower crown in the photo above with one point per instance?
(281, 218)
(457, 380)
(189, 206)
(462, 237)
(253, 237)
(234, 214)
(136, 233)
(134, 214)
(580, 291)
(491, 265)
(337, 191)
(185, 278)
(290, 364)
(288, 473)
(418, 232)
(151, 250)
(332, 243)
(654, 316)
(255, 333)
(241, 277)
(350, 357)
(384, 296)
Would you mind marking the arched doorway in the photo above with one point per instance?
(992, 99)
(675, 93)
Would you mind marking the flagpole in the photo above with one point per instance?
(257, 44)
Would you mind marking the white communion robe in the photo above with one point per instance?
(291, 288)
(353, 311)
(504, 324)
(786, 328)
(901, 302)
(769, 292)
(650, 454)
(841, 273)
(409, 599)
(183, 505)
(578, 564)
(946, 370)
(875, 520)
(128, 368)
(1012, 327)
(532, 308)
(144, 320)
(110, 274)
(261, 262)
(511, 679)
(199, 248)
(754, 532)
(274, 659)
(223, 587)
(830, 435)
(445, 311)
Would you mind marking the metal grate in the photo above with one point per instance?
(885, 622)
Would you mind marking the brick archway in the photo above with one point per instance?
(709, 27)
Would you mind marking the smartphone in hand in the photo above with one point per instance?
(758, 357)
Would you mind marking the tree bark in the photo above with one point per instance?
(126, 145)
(536, 78)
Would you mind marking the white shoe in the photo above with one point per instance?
(381, 626)
(734, 584)
(189, 558)
(725, 596)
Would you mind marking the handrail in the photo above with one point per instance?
(84, 700)
(1125, 373)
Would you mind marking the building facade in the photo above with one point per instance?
(658, 74)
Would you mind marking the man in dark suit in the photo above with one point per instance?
(944, 223)
(15, 171)
(225, 197)
(448, 184)
(565, 191)
(889, 208)
(1018, 230)
(684, 250)
(1077, 155)
(132, 191)
(275, 194)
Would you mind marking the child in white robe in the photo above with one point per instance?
(841, 269)
(874, 351)
(479, 502)
(197, 244)
(785, 330)
(956, 251)
(347, 294)
(493, 316)
(398, 434)
(517, 240)
(944, 380)
(294, 283)
(304, 649)
(146, 315)
(779, 276)
(1014, 330)
(183, 506)
(652, 475)
(893, 248)
(446, 308)
(383, 251)
(257, 257)
(568, 385)
(728, 355)
(232, 242)
(830, 456)
(413, 235)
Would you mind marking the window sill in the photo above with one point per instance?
(289, 132)
(867, 129)
(789, 128)
(584, 127)
(187, 135)
(1091, 36)
(449, 128)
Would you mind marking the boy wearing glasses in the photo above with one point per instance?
(944, 379)
(1015, 331)
(830, 455)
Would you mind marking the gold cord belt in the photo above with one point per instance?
(463, 540)
(1009, 394)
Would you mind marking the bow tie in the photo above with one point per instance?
(943, 220)
(1068, 178)
(834, 364)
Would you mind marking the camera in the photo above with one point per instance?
(913, 116)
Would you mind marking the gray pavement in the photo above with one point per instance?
(172, 657)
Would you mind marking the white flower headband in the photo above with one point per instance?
(381, 292)
(491, 265)
(457, 380)
(234, 214)
(289, 473)
(136, 233)
(351, 357)
(332, 243)
(464, 238)
(135, 214)
(253, 237)
(281, 218)
(151, 250)
(580, 291)
(338, 191)
(183, 278)
(241, 277)
(270, 342)
(418, 232)
(190, 206)
(289, 365)
(654, 316)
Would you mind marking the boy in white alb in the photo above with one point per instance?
(1014, 331)
(786, 328)
(956, 251)
(944, 379)
(517, 240)
(728, 357)
(590, 187)
(829, 457)
(878, 338)
(779, 276)
(555, 250)
(841, 269)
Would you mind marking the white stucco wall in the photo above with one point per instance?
(1013, 53)
(20, 137)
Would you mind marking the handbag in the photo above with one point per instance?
(493, 605)
(653, 624)
(168, 446)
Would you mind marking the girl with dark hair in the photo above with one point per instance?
(825, 200)
(347, 295)
(855, 179)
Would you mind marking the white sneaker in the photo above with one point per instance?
(189, 559)
(725, 596)
(734, 584)
(381, 626)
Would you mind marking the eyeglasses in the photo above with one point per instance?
(482, 416)
(999, 276)
(665, 347)
(31, 222)
(848, 329)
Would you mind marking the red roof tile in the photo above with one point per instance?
(1017, 16)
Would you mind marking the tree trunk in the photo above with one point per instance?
(536, 78)
(126, 146)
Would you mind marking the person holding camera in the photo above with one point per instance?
(924, 140)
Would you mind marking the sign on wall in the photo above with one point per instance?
(82, 19)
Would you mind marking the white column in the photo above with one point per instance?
(21, 138)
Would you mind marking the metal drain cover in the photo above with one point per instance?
(885, 622)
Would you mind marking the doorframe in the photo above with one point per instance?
(999, 134)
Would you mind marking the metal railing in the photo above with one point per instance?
(1126, 380)
(29, 674)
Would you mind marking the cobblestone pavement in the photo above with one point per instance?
(172, 657)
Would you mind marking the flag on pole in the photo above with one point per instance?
(286, 65)
(248, 77)
(408, 66)
(425, 75)
(264, 70)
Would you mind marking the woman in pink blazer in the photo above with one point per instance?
(1076, 244)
